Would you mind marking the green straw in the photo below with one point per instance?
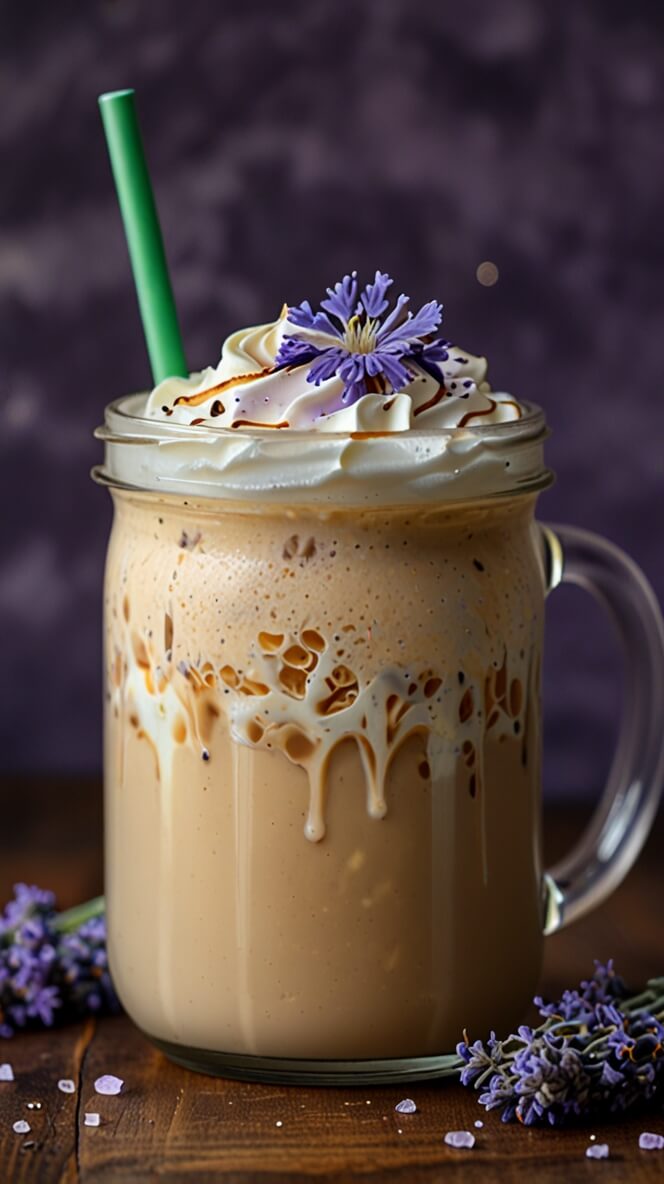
(141, 223)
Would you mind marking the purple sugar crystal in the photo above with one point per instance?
(597, 1151)
(108, 1084)
(460, 1139)
(407, 1106)
(648, 1141)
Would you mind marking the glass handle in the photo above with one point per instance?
(624, 814)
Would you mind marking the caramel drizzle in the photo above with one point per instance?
(512, 403)
(465, 419)
(494, 403)
(255, 423)
(432, 402)
(238, 380)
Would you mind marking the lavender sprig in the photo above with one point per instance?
(52, 966)
(599, 1051)
(349, 338)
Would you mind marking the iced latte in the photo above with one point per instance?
(324, 600)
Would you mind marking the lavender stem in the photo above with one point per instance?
(71, 919)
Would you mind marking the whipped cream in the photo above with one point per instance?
(246, 391)
(251, 431)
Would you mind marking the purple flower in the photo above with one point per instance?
(599, 1051)
(610, 1076)
(28, 901)
(551, 1082)
(43, 1003)
(46, 970)
(604, 987)
(348, 339)
(84, 967)
(478, 1057)
(500, 1091)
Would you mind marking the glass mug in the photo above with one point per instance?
(322, 753)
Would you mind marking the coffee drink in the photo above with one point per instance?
(324, 601)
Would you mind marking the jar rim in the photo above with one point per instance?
(362, 469)
(119, 412)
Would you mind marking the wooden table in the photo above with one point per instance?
(171, 1125)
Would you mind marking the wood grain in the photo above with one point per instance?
(172, 1125)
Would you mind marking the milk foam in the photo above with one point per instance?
(247, 431)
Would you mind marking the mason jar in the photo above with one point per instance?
(323, 741)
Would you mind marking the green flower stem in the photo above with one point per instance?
(600, 1038)
(654, 1004)
(71, 919)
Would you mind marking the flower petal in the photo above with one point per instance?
(395, 317)
(436, 351)
(394, 370)
(325, 365)
(304, 317)
(353, 367)
(294, 351)
(353, 392)
(416, 325)
(342, 298)
(374, 296)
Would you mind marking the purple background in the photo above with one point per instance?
(289, 143)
